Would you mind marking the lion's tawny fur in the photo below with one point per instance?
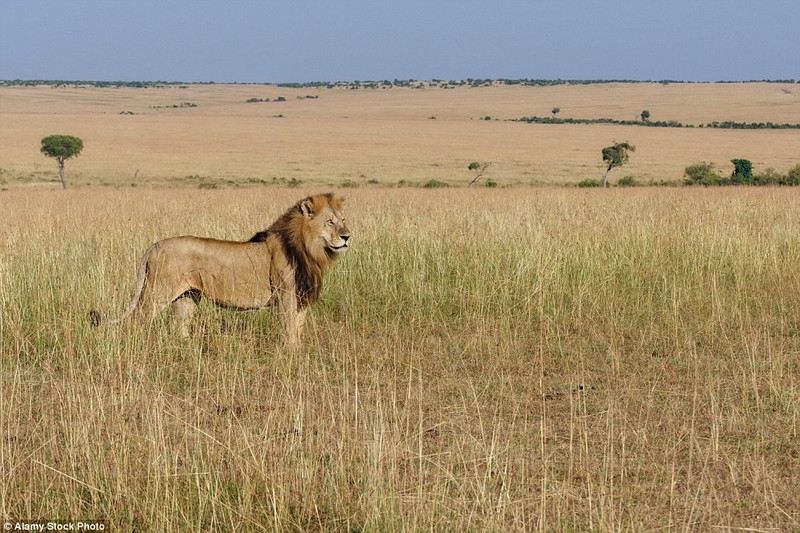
(283, 264)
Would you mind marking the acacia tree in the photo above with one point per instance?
(645, 115)
(555, 111)
(479, 169)
(616, 156)
(61, 148)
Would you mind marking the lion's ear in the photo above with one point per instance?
(305, 208)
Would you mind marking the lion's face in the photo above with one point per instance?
(326, 228)
(333, 230)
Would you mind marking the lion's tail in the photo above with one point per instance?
(97, 318)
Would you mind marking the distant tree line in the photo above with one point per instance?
(728, 124)
(486, 82)
(100, 84)
(373, 84)
(174, 106)
(556, 120)
(262, 100)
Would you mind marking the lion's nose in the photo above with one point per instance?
(345, 237)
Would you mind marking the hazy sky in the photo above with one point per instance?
(301, 40)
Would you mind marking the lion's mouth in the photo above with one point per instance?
(339, 249)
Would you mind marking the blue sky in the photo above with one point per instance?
(301, 40)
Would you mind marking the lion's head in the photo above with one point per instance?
(325, 233)
(313, 233)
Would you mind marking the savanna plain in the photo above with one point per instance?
(525, 357)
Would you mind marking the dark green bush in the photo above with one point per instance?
(742, 172)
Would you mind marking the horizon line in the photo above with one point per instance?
(474, 82)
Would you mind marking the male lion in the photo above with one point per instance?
(283, 264)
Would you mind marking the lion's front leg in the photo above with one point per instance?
(293, 318)
(300, 324)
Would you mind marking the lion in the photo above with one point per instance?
(282, 265)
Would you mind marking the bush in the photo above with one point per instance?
(294, 182)
(627, 181)
(703, 174)
(742, 171)
(793, 177)
(768, 177)
(435, 184)
(589, 183)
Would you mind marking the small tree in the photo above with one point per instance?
(742, 171)
(61, 148)
(616, 156)
(479, 169)
(555, 111)
(645, 115)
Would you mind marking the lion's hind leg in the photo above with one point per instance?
(183, 309)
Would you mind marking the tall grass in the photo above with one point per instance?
(481, 360)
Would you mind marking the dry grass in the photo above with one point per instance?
(384, 135)
(481, 360)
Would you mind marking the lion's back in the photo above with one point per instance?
(232, 273)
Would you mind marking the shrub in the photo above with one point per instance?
(435, 184)
(627, 181)
(768, 177)
(490, 183)
(702, 174)
(589, 183)
(793, 177)
(742, 171)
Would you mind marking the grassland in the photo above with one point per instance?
(386, 136)
(523, 358)
(517, 359)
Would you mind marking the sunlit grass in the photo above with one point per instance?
(480, 360)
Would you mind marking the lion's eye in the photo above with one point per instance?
(329, 223)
